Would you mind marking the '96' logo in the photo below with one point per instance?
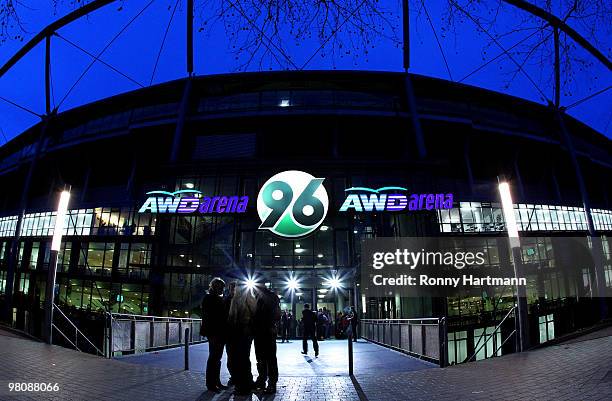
(292, 204)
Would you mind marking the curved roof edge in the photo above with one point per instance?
(279, 80)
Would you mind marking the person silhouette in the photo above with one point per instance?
(214, 327)
(309, 330)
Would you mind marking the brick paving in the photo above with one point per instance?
(575, 371)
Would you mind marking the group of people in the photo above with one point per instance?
(242, 318)
(340, 326)
(246, 317)
(347, 322)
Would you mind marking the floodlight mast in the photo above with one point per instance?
(522, 311)
(56, 243)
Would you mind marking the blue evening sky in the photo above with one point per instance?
(135, 51)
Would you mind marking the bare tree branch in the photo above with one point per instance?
(345, 28)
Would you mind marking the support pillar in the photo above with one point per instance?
(519, 179)
(189, 37)
(597, 247)
(468, 166)
(410, 98)
(180, 123)
(12, 256)
(50, 298)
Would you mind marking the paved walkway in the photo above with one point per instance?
(581, 370)
(576, 371)
(333, 359)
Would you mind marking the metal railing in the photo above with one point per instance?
(424, 338)
(130, 334)
(75, 341)
(490, 336)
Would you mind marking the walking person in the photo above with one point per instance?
(240, 322)
(267, 315)
(309, 330)
(214, 327)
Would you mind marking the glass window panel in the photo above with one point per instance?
(95, 254)
(123, 256)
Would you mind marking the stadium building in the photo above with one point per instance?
(222, 137)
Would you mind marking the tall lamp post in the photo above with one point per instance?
(56, 243)
(515, 246)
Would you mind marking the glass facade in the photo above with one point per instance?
(111, 257)
(98, 221)
(478, 217)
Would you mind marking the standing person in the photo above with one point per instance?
(290, 326)
(267, 315)
(214, 326)
(283, 326)
(309, 330)
(329, 323)
(338, 326)
(227, 300)
(354, 319)
(321, 324)
(240, 322)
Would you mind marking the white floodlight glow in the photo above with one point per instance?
(189, 185)
(293, 284)
(508, 209)
(333, 282)
(363, 303)
(60, 221)
(250, 283)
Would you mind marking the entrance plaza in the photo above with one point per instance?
(332, 361)
(579, 369)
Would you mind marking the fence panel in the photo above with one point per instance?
(139, 333)
(418, 337)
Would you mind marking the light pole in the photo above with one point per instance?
(56, 243)
(293, 285)
(515, 246)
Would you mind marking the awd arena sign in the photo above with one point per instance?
(362, 199)
(192, 201)
(292, 204)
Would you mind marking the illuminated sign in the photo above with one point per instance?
(362, 199)
(292, 204)
(192, 201)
